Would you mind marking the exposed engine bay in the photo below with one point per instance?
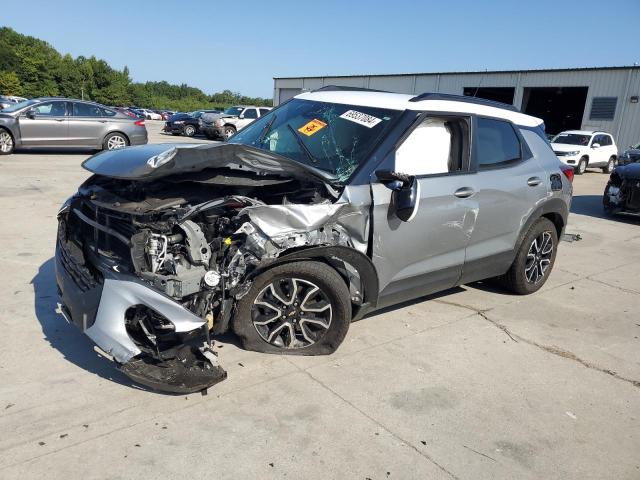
(186, 246)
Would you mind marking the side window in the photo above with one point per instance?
(437, 145)
(264, 111)
(250, 113)
(597, 139)
(497, 143)
(51, 109)
(607, 140)
(86, 110)
(107, 113)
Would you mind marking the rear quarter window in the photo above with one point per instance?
(497, 143)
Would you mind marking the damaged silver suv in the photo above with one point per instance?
(336, 203)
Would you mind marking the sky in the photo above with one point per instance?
(242, 45)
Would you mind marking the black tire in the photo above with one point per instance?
(582, 166)
(611, 164)
(7, 143)
(113, 138)
(228, 131)
(331, 289)
(189, 130)
(175, 134)
(210, 136)
(517, 278)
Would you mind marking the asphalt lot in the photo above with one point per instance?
(472, 383)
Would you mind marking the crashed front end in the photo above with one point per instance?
(622, 193)
(157, 246)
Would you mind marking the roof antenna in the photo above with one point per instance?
(480, 82)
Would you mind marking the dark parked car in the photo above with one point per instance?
(631, 155)
(63, 122)
(622, 193)
(185, 123)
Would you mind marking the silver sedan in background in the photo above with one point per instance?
(62, 122)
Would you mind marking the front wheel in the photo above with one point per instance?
(299, 308)
(189, 130)
(114, 141)
(582, 166)
(534, 261)
(611, 164)
(6, 142)
(228, 132)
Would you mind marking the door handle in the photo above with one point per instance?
(102, 121)
(464, 192)
(60, 119)
(534, 181)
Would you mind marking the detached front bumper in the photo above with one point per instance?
(96, 299)
(173, 127)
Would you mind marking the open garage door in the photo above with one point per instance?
(561, 108)
(286, 93)
(497, 94)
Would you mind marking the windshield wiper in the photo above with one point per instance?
(304, 148)
(266, 130)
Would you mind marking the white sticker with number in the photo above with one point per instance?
(368, 121)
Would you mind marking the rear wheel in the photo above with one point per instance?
(611, 164)
(114, 141)
(300, 308)
(189, 130)
(582, 166)
(534, 261)
(6, 142)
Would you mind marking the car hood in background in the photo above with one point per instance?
(632, 170)
(565, 147)
(153, 161)
(211, 117)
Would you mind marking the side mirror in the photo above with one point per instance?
(405, 198)
(241, 115)
(595, 145)
(31, 113)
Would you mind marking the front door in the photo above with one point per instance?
(427, 253)
(47, 126)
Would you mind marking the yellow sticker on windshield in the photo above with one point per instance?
(312, 127)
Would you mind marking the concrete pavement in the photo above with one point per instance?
(472, 383)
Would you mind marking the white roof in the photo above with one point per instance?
(582, 132)
(399, 101)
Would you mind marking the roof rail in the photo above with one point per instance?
(463, 98)
(337, 88)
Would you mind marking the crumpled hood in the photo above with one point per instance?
(153, 161)
(211, 117)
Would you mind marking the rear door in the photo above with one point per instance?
(48, 127)
(87, 125)
(510, 185)
(427, 253)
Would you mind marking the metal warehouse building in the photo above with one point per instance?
(579, 98)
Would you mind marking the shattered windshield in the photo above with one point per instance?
(335, 138)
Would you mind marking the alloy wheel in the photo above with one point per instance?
(6, 142)
(539, 258)
(115, 142)
(228, 133)
(291, 313)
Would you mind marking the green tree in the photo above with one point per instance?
(10, 83)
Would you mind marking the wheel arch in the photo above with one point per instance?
(116, 131)
(367, 273)
(555, 210)
(8, 130)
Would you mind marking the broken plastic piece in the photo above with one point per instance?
(191, 370)
(571, 237)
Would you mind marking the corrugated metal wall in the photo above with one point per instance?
(621, 83)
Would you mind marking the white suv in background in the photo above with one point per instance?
(582, 149)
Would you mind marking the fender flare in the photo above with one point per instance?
(358, 260)
(553, 206)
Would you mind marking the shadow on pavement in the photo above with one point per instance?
(591, 205)
(76, 347)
